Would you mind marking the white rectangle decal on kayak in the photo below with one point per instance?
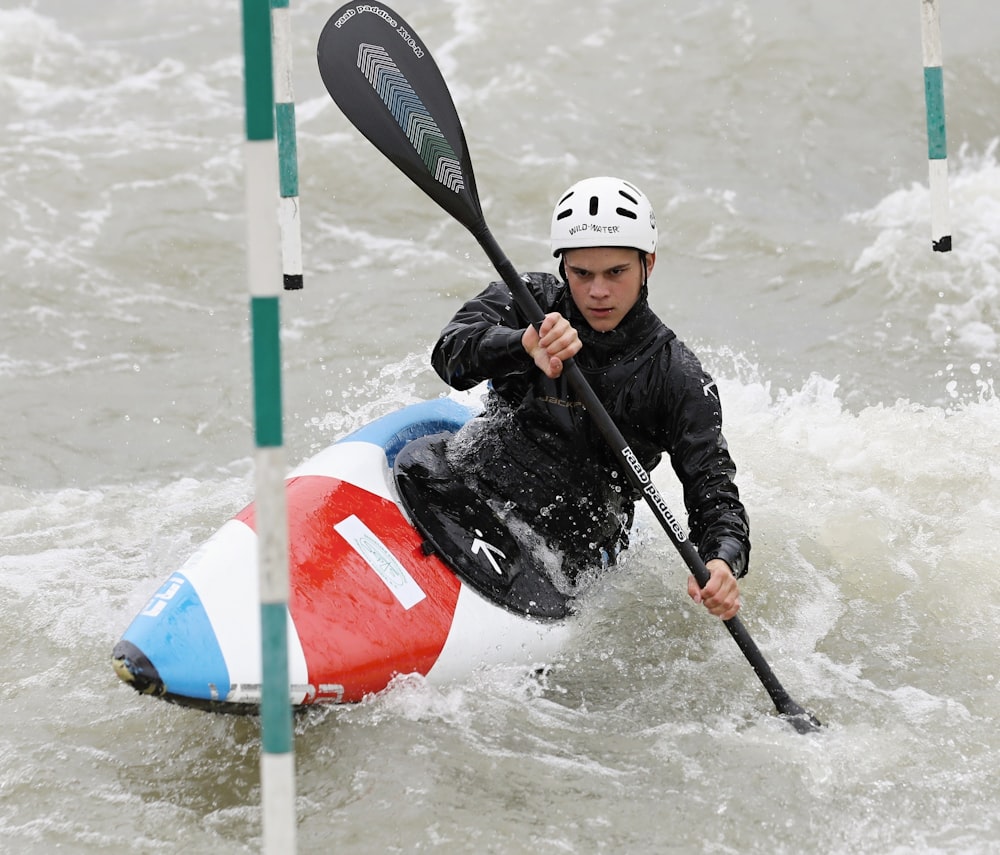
(381, 560)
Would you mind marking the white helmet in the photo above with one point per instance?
(603, 212)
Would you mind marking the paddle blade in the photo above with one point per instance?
(385, 81)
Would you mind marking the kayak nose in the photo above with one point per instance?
(171, 649)
(134, 668)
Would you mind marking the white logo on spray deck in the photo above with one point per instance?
(654, 495)
(489, 550)
(381, 560)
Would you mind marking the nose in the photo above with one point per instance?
(600, 287)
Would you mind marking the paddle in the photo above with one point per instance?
(384, 79)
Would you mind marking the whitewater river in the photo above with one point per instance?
(783, 143)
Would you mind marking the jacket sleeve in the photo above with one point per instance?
(482, 341)
(718, 522)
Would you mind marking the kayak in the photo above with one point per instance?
(396, 567)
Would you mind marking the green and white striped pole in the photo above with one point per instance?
(937, 144)
(288, 158)
(277, 762)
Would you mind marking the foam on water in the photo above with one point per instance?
(960, 292)
(869, 530)
(857, 372)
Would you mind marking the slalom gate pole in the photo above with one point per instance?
(937, 145)
(288, 165)
(277, 761)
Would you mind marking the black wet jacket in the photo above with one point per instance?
(536, 448)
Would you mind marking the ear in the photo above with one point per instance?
(650, 261)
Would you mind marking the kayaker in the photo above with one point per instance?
(534, 450)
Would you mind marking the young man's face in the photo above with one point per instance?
(605, 282)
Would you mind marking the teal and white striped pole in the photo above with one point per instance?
(277, 761)
(937, 144)
(288, 158)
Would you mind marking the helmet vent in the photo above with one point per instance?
(625, 212)
(632, 199)
(593, 206)
(562, 215)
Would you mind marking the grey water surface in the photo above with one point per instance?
(783, 144)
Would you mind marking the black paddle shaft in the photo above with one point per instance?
(387, 84)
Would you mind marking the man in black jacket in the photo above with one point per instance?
(534, 447)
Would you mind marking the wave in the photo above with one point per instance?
(958, 292)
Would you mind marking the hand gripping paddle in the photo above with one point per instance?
(385, 81)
